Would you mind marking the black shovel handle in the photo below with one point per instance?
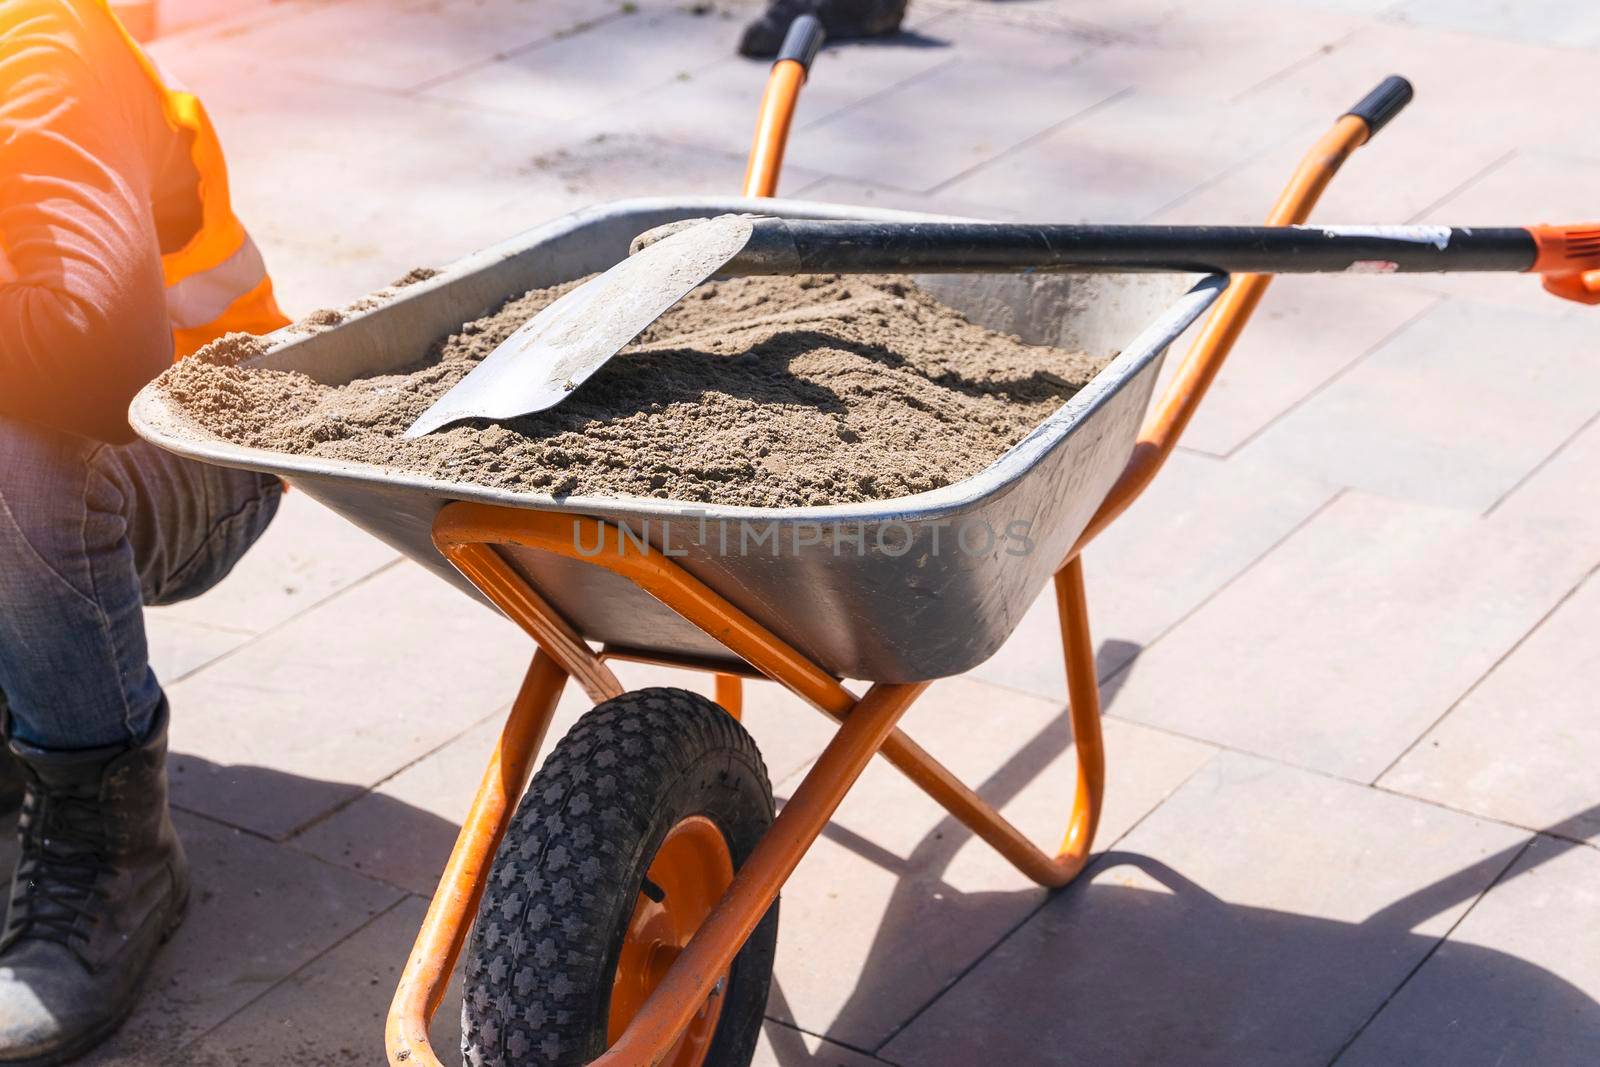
(801, 246)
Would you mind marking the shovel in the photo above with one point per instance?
(560, 347)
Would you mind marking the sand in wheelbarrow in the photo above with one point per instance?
(777, 392)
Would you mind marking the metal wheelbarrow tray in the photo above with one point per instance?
(901, 590)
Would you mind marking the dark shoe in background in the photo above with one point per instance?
(100, 885)
(842, 19)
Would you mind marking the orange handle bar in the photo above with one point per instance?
(789, 72)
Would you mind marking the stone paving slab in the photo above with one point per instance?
(307, 555)
(305, 719)
(1514, 983)
(1567, 23)
(408, 44)
(716, 106)
(1453, 410)
(1261, 915)
(258, 914)
(1307, 332)
(1562, 488)
(1355, 635)
(902, 141)
(1200, 525)
(1522, 746)
(1127, 159)
(328, 1011)
(560, 78)
(885, 912)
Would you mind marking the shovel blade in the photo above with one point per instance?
(557, 350)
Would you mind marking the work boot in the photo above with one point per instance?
(100, 884)
(842, 19)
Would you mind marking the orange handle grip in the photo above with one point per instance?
(1569, 259)
(800, 47)
(772, 128)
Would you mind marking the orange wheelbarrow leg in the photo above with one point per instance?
(444, 931)
(1083, 692)
(730, 694)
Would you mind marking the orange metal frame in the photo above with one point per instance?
(467, 534)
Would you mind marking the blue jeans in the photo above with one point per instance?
(89, 534)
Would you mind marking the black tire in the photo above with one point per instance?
(544, 949)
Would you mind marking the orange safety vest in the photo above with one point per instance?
(217, 283)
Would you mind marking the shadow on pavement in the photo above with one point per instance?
(1153, 968)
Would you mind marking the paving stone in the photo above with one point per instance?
(184, 16)
(1305, 333)
(1125, 160)
(259, 913)
(784, 1046)
(179, 648)
(1568, 23)
(1347, 641)
(333, 1010)
(1200, 524)
(1521, 746)
(1260, 915)
(1208, 51)
(984, 109)
(307, 555)
(1563, 487)
(856, 958)
(1516, 982)
(566, 78)
(409, 43)
(607, 166)
(304, 719)
(404, 829)
(716, 106)
(844, 191)
(1453, 410)
(1470, 111)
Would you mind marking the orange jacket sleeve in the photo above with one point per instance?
(83, 320)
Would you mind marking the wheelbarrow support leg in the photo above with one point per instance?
(444, 930)
(730, 694)
(1083, 693)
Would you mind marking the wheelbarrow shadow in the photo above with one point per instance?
(1136, 963)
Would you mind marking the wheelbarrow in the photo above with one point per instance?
(623, 906)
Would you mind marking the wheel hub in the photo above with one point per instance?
(688, 875)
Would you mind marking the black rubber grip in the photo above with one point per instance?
(1383, 103)
(803, 41)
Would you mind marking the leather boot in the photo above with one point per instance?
(100, 884)
(842, 19)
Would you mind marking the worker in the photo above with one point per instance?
(842, 20)
(118, 251)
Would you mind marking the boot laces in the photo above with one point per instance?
(64, 851)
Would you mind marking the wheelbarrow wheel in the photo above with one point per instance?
(626, 839)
